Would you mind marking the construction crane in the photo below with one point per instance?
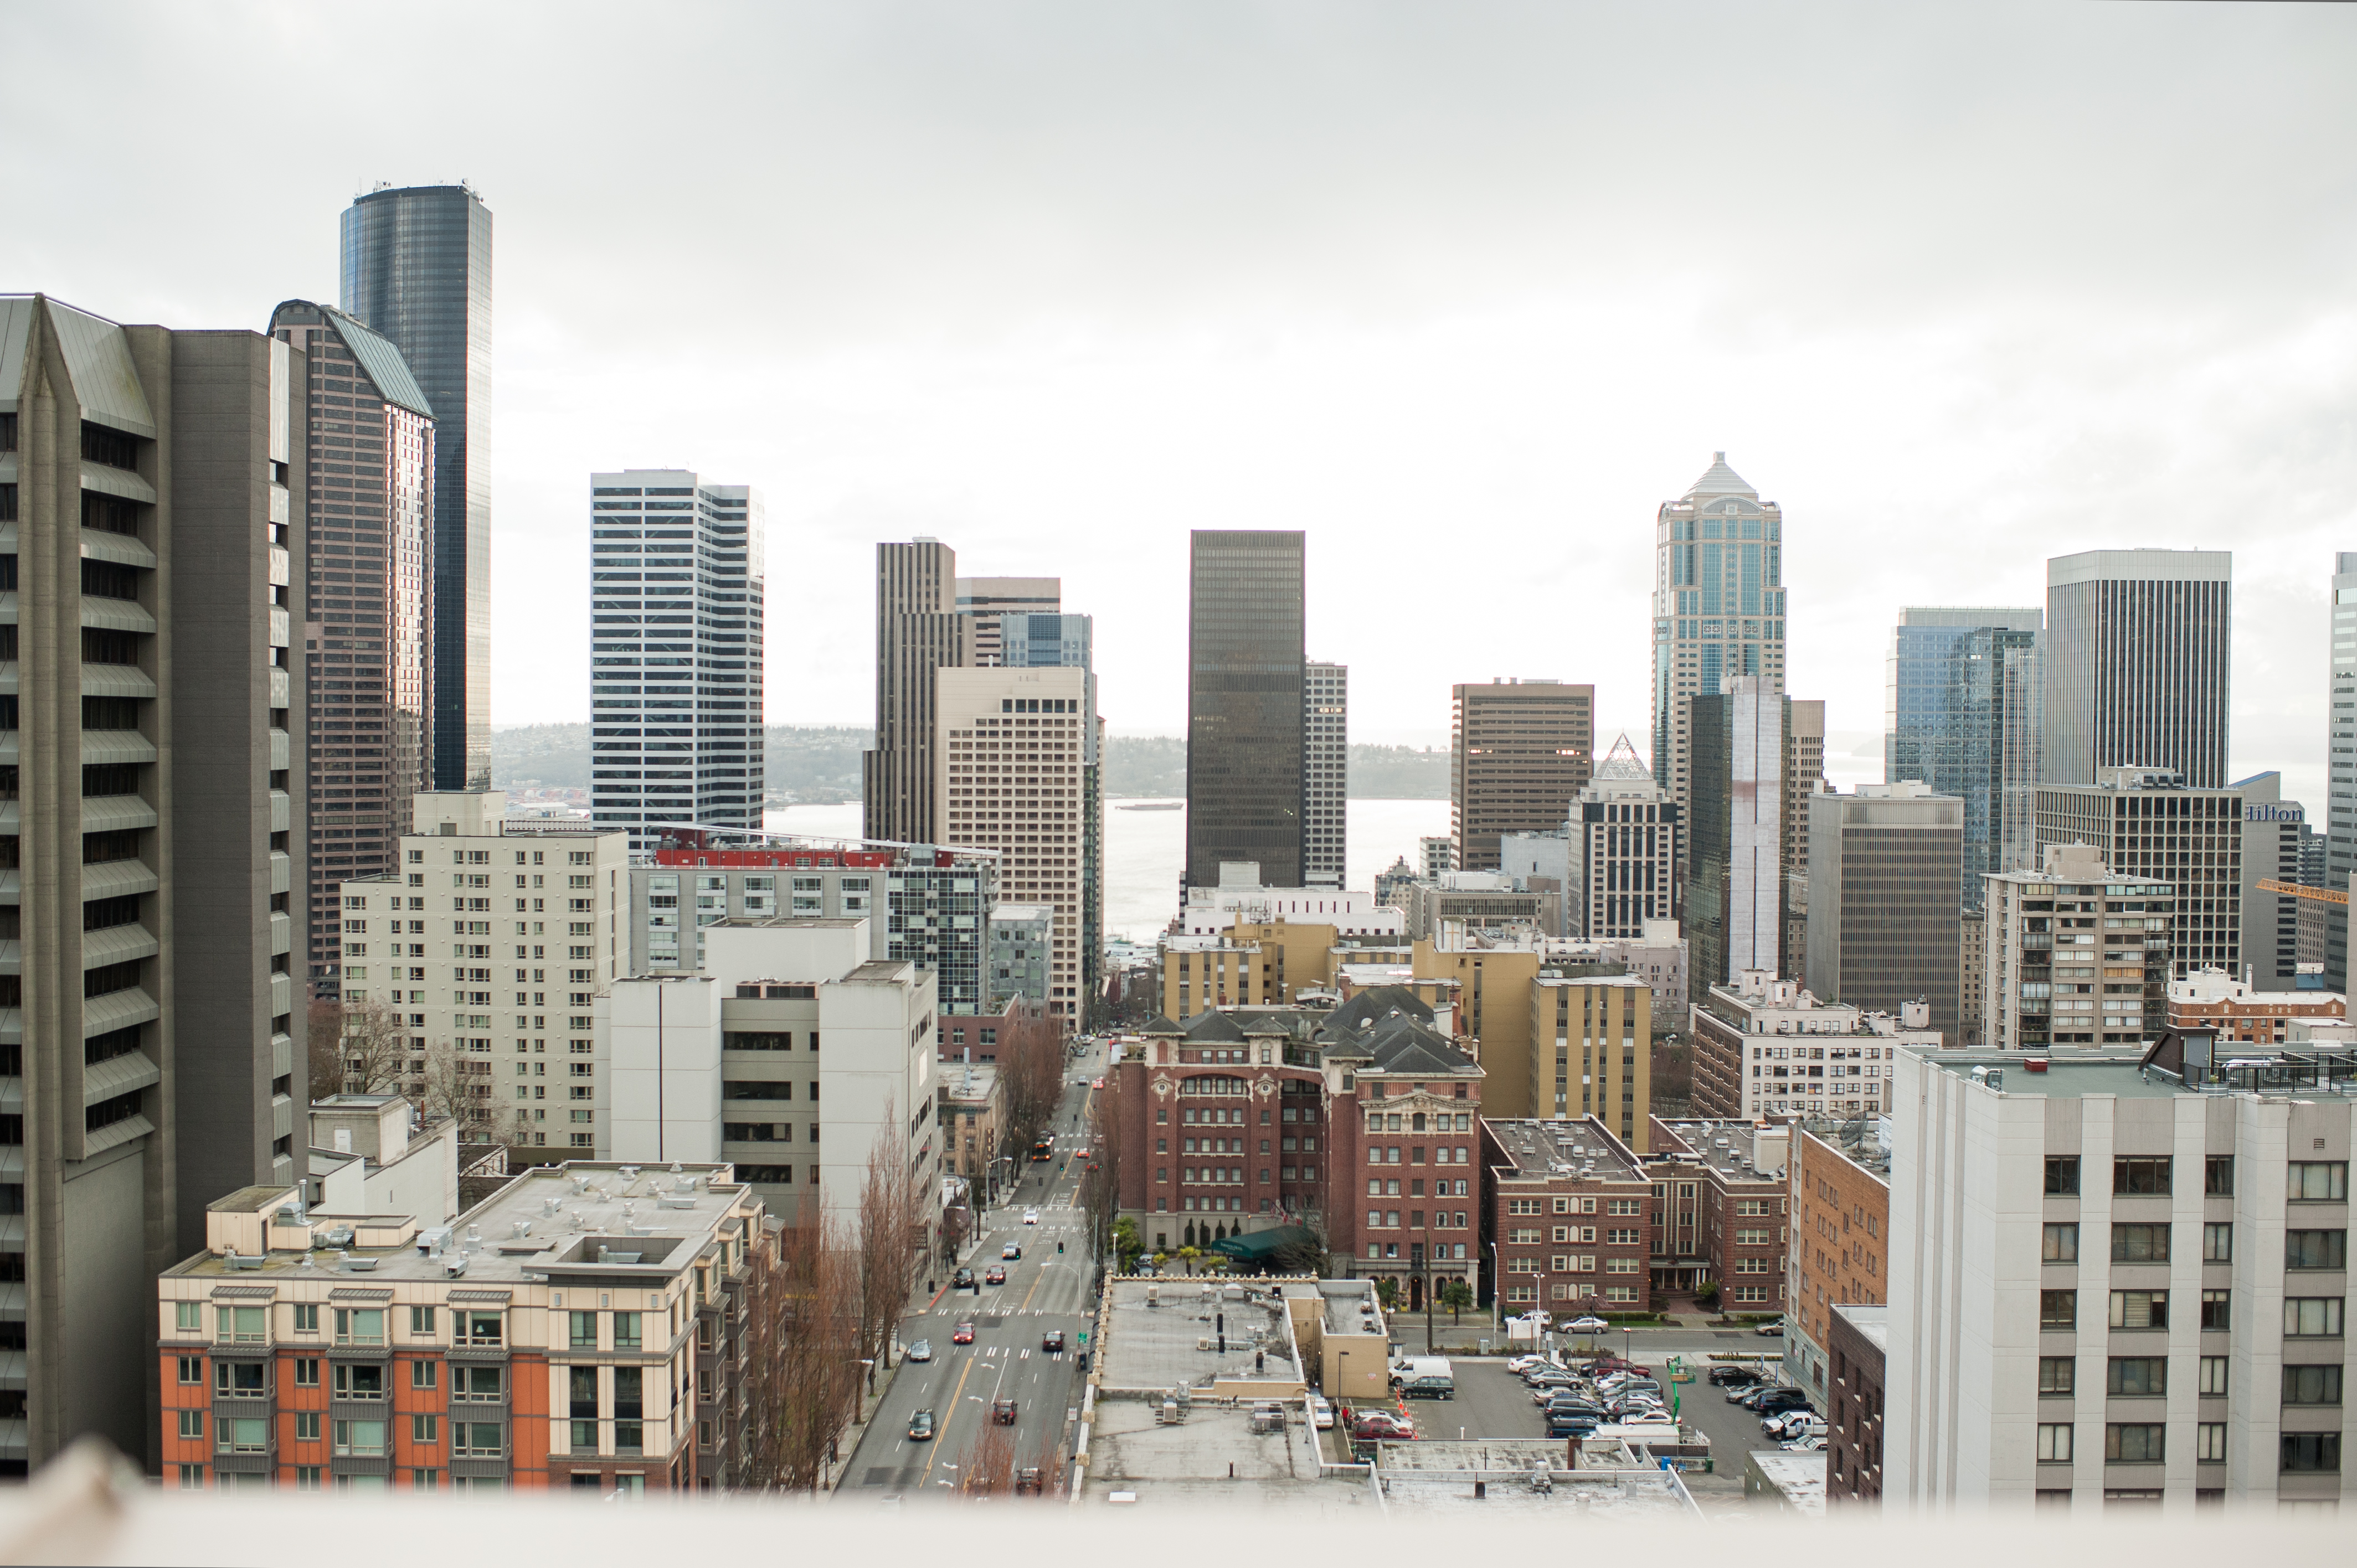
(2321, 894)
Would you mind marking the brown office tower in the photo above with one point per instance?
(1523, 750)
(151, 1039)
(368, 526)
(1245, 748)
(918, 631)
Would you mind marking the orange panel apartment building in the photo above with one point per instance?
(1841, 1247)
(578, 1328)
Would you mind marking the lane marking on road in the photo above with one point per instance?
(942, 1423)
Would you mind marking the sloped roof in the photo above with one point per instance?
(1622, 762)
(1402, 1045)
(1214, 1026)
(375, 355)
(1718, 479)
(1375, 1002)
(1158, 1025)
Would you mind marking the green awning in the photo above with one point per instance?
(1260, 1246)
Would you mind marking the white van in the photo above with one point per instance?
(1424, 1377)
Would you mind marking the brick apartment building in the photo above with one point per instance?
(1358, 1125)
(579, 1329)
(2212, 999)
(1584, 1223)
(1853, 1404)
(1841, 1240)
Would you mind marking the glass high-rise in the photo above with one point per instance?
(1718, 606)
(416, 268)
(1245, 671)
(368, 540)
(2138, 644)
(676, 657)
(1958, 681)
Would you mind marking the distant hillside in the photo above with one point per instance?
(822, 764)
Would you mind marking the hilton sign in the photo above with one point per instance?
(2266, 812)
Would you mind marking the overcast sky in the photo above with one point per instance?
(1466, 291)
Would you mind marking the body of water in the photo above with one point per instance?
(1145, 850)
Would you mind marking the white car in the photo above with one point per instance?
(1322, 1414)
(1030, 1217)
(1816, 1444)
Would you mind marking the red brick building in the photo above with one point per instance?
(1570, 1210)
(1358, 1125)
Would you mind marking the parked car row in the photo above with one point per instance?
(1575, 1404)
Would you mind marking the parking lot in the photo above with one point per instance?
(1493, 1402)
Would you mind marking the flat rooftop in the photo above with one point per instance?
(1704, 1137)
(1622, 1481)
(565, 1213)
(1183, 1332)
(1542, 1148)
(1873, 1321)
(1132, 1454)
(2069, 1075)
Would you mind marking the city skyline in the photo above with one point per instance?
(1005, 389)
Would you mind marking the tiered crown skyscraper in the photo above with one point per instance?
(1718, 606)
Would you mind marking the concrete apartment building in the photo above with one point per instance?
(1521, 752)
(1246, 679)
(2340, 782)
(1475, 900)
(2077, 954)
(729, 1064)
(1434, 854)
(485, 911)
(2149, 825)
(416, 266)
(150, 581)
(1874, 939)
(367, 528)
(1021, 941)
(930, 907)
(1627, 846)
(1592, 1049)
(580, 1329)
(373, 1154)
(1841, 1245)
(677, 579)
(1718, 612)
(1016, 753)
(2118, 1279)
(2211, 1001)
(1768, 1047)
(1325, 774)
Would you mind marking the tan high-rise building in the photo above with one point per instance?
(918, 633)
(986, 602)
(1719, 608)
(1014, 749)
(1523, 751)
(1591, 1052)
(1493, 991)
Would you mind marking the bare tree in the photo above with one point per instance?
(802, 1356)
(457, 1083)
(325, 1047)
(1048, 1459)
(370, 1045)
(891, 1241)
(1030, 1085)
(990, 1461)
(1101, 1177)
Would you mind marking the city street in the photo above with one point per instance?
(1045, 1291)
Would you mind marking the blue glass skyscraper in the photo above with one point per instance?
(1959, 713)
(416, 268)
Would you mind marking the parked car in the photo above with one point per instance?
(1812, 1445)
(1549, 1378)
(1587, 1326)
(1774, 1328)
(1734, 1376)
(1380, 1425)
(1796, 1401)
(922, 1351)
(1571, 1423)
(961, 1335)
(1523, 1366)
(1052, 1342)
(1003, 1412)
(1800, 1423)
(920, 1427)
(1322, 1413)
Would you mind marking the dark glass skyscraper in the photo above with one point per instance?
(1959, 715)
(417, 269)
(1245, 672)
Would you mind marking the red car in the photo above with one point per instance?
(961, 1335)
(995, 1276)
(1372, 1425)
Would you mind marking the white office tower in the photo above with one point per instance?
(1755, 828)
(488, 923)
(1718, 606)
(2340, 840)
(1325, 773)
(1435, 857)
(1624, 854)
(1014, 753)
(728, 1065)
(675, 654)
